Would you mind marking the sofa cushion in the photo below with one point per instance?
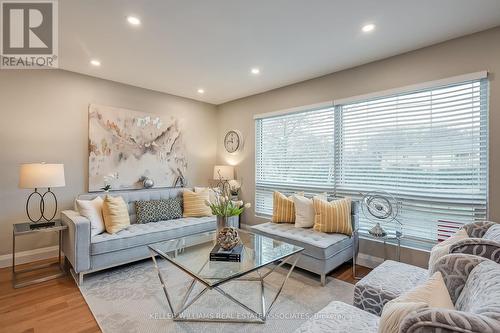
(386, 282)
(338, 317)
(149, 233)
(316, 244)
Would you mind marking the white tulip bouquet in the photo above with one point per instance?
(225, 207)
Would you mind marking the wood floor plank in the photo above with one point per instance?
(57, 306)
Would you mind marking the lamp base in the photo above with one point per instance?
(41, 225)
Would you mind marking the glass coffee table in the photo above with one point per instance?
(191, 255)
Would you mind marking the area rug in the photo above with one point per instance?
(130, 299)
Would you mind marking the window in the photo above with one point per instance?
(428, 148)
(294, 152)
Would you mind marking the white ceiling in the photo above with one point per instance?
(183, 45)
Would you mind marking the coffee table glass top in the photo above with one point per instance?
(191, 254)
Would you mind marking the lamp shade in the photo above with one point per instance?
(226, 172)
(41, 175)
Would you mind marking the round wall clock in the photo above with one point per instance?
(233, 141)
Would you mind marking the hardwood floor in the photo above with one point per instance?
(53, 306)
(57, 305)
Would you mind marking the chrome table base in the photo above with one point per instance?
(258, 317)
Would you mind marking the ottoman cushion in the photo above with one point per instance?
(386, 282)
(316, 244)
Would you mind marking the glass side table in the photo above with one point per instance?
(390, 236)
(21, 229)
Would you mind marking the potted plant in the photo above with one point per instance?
(224, 208)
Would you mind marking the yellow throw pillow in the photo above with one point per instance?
(433, 293)
(194, 204)
(334, 216)
(115, 214)
(283, 208)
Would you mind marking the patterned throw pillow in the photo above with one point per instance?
(169, 209)
(146, 211)
(158, 210)
(333, 216)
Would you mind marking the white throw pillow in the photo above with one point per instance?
(433, 293)
(441, 249)
(304, 209)
(92, 209)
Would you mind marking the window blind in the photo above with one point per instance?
(428, 148)
(294, 152)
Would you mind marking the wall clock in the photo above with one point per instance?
(233, 141)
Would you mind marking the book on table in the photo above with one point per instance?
(219, 254)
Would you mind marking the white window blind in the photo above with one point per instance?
(428, 148)
(294, 152)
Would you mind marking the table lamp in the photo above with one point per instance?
(41, 175)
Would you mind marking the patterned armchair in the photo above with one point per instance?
(482, 242)
(474, 289)
(391, 279)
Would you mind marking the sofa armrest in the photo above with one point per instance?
(455, 269)
(76, 240)
(485, 248)
(477, 229)
(446, 321)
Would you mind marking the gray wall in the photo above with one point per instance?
(468, 54)
(44, 118)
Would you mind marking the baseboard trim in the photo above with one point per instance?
(29, 256)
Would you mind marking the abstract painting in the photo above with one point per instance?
(126, 147)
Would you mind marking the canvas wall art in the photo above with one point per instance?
(126, 146)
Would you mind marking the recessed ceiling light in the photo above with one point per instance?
(368, 27)
(255, 71)
(95, 62)
(133, 20)
(201, 91)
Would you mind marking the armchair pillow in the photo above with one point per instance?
(92, 209)
(443, 248)
(334, 216)
(432, 293)
(304, 210)
(115, 213)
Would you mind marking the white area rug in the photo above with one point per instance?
(130, 299)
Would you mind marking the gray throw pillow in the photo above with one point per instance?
(493, 233)
(158, 210)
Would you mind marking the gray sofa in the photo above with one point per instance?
(322, 252)
(472, 283)
(88, 253)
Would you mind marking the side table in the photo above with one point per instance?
(21, 229)
(390, 236)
